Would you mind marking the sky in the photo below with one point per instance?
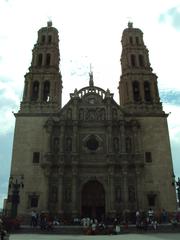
(90, 33)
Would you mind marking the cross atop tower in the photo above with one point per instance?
(91, 82)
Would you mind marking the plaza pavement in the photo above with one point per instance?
(144, 236)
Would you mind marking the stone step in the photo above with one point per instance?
(71, 229)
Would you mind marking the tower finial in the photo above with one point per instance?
(49, 22)
(130, 24)
(91, 82)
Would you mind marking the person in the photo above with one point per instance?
(117, 229)
(164, 216)
(154, 223)
(178, 190)
(93, 226)
(150, 215)
(34, 219)
(137, 218)
(56, 221)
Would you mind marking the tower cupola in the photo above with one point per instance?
(138, 88)
(43, 84)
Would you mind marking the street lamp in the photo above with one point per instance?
(15, 184)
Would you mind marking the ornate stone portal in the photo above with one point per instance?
(93, 156)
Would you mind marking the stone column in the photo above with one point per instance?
(109, 139)
(62, 139)
(141, 88)
(125, 188)
(74, 191)
(52, 91)
(139, 194)
(130, 92)
(47, 139)
(40, 96)
(136, 141)
(46, 193)
(122, 136)
(60, 191)
(29, 90)
(25, 91)
(111, 192)
(47, 142)
(74, 145)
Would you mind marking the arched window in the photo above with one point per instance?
(137, 40)
(141, 60)
(43, 39)
(147, 92)
(35, 91)
(48, 59)
(40, 57)
(131, 40)
(133, 60)
(46, 91)
(49, 39)
(136, 91)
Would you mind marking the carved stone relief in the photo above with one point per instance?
(92, 114)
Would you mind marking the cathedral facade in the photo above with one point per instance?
(92, 157)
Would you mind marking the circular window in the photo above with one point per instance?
(92, 143)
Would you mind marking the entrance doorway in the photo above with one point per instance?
(93, 200)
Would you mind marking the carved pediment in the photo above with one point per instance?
(92, 99)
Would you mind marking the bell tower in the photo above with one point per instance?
(43, 83)
(138, 89)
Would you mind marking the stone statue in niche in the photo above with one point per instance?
(128, 144)
(81, 114)
(68, 194)
(56, 145)
(69, 114)
(54, 194)
(114, 114)
(92, 115)
(68, 144)
(118, 194)
(116, 144)
(102, 114)
(131, 191)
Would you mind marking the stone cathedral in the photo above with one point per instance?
(93, 156)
